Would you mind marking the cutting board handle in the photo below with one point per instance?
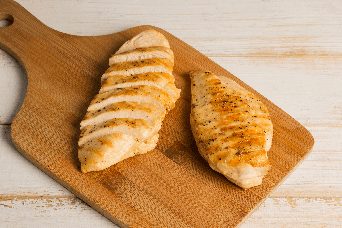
(21, 30)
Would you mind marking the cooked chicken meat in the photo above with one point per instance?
(145, 39)
(163, 81)
(134, 110)
(232, 128)
(142, 54)
(143, 94)
(138, 67)
(137, 92)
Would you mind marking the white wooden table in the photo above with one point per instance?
(290, 51)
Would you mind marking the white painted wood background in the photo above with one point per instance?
(290, 51)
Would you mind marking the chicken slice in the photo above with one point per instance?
(138, 67)
(134, 110)
(142, 147)
(138, 128)
(232, 128)
(104, 151)
(143, 94)
(147, 38)
(163, 81)
(142, 54)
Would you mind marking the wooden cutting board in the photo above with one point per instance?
(171, 186)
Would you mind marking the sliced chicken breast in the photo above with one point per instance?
(137, 91)
(232, 128)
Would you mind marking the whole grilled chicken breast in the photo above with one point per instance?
(137, 91)
(232, 128)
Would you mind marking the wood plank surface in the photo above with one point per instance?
(300, 61)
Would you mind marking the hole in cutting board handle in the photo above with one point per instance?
(6, 20)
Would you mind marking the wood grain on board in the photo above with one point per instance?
(170, 186)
